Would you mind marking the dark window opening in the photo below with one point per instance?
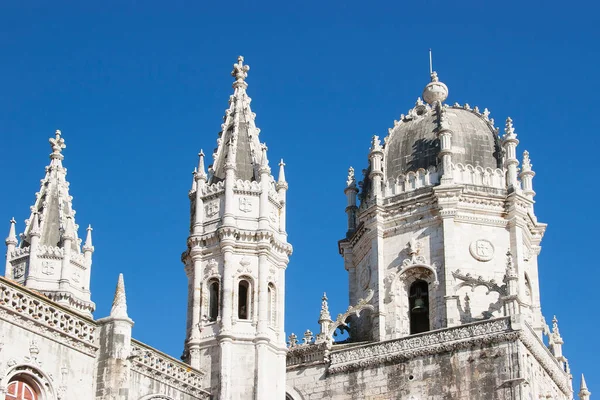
(418, 301)
(213, 304)
(243, 303)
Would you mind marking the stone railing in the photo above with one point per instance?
(166, 369)
(478, 176)
(34, 312)
(307, 354)
(411, 181)
(443, 340)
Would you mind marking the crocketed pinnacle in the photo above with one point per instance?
(11, 239)
(53, 204)
(238, 144)
(119, 305)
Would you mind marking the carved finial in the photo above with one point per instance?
(555, 330)
(119, 306)
(240, 72)
(264, 160)
(58, 144)
(486, 113)
(434, 77)
(375, 143)
(509, 129)
(324, 309)
(419, 102)
(88, 240)
(526, 161)
(293, 340)
(281, 177)
(351, 181)
(201, 171)
(308, 337)
(35, 225)
(11, 239)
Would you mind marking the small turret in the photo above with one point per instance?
(11, 243)
(511, 162)
(445, 136)
(351, 191)
(324, 320)
(584, 393)
(376, 174)
(282, 187)
(511, 278)
(526, 176)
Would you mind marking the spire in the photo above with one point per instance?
(88, 240)
(53, 204)
(526, 162)
(281, 179)
(119, 306)
(11, 239)
(201, 171)
(324, 308)
(584, 393)
(509, 129)
(35, 226)
(238, 143)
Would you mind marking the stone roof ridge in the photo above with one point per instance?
(238, 143)
(53, 203)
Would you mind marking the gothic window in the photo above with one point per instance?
(213, 300)
(272, 315)
(418, 301)
(244, 294)
(20, 390)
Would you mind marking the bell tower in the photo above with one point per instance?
(49, 257)
(442, 226)
(235, 261)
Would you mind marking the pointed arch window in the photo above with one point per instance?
(418, 300)
(213, 299)
(244, 299)
(272, 308)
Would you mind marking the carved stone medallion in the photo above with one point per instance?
(245, 204)
(212, 208)
(47, 268)
(482, 250)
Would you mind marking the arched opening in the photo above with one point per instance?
(213, 300)
(272, 313)
(244, 299)
(418, 300)
(21, 388)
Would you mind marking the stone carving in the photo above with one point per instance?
(212, 208)
(482, 250)
(414, 247)
(147, 361)
(361, 305)
(19, 270)
(245, 204)
(469, 280)
(47, 268)
(211, 269)
(76, 277)
(450, 339)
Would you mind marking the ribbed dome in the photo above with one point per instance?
(413, 142)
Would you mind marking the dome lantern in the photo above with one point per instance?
(435, 90)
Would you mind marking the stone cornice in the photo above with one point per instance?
(36, 313)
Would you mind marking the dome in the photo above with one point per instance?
(413, 143)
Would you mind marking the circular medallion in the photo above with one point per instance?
(482, 250)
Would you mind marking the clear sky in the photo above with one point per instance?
(137, 88)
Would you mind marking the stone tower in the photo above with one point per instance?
(445, 233)
(236, 259)
(49, 257)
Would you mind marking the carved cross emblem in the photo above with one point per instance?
(245, 204)
(212, 208)
(47, 268)
(19, 271)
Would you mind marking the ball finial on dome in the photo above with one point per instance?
(435, 90)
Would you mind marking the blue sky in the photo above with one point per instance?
(139, 87)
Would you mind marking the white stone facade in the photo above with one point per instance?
(441, 253)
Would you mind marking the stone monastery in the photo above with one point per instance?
(441, 253)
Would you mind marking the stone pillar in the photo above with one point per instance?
(445, 136)
(376, 175)
(68, 238)
(11, 243)
(351, 191)
(510, 143)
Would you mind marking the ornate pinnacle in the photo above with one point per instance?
(308, 337)
(510, 266)
(200, 174)
(12, 235)
(324, 309)
(555, 330)
(88, 240)
(35, 225)
(58, 144)
(281, 178)
(119, 306)
(264, 163)
(509, 129)
(293, 340)
(240, 73)
(584, 393)
(375, 143)
(351, 181)
(434, 77)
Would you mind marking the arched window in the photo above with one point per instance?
(272, 314)
(21, 390)
(213, 299)
(418, 300)
(244, 294)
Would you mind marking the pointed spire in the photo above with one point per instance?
(281, 178)
(526, 161)
(12, 235)
(201, 171)
(584, 393)
(324, 308)
(88, 240)
(69, 230)
(119, 306)
(35, 226)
